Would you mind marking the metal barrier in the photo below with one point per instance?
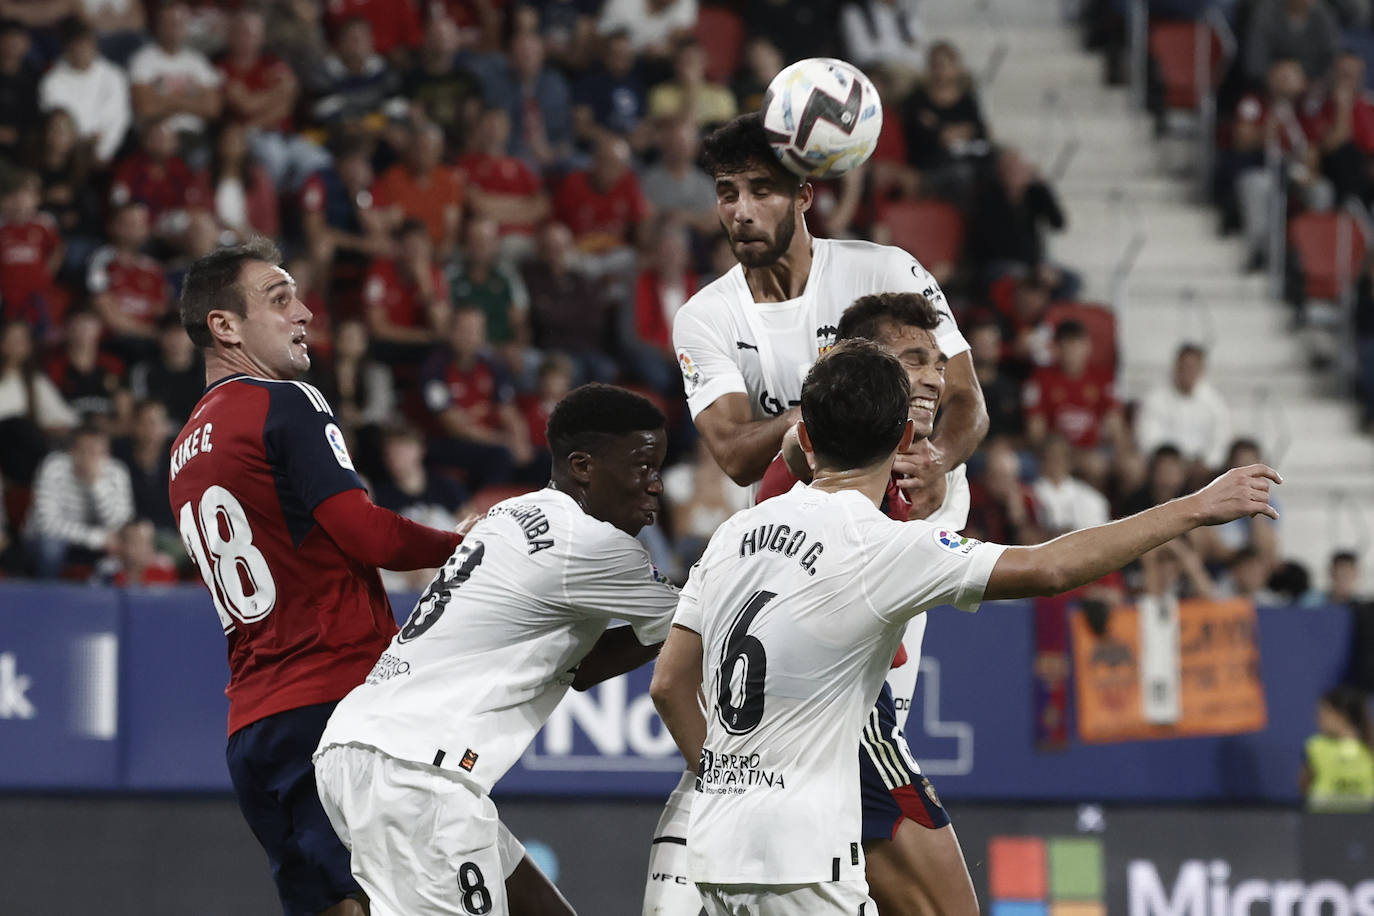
(1129, 212)
(997, 56)
(1059, 138)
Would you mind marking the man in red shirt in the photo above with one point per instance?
(128, 288)
(604, 207)
(281, 530)
(502, 187)
(1342, 127)
(161, 180)
(395, 23)
(405, 298)
(30, 251)
(1072, 398)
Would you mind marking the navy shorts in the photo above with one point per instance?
(269, 763)
(892, 788)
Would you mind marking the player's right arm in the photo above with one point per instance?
(1085, 555)
(674, 690)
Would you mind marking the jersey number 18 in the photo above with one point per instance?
(218, 538)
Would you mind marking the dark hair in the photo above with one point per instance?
(739, 145)
(1238, 444)
(410, 226)
(1352, 704)
(1070, 329)
(73, 29)
(401, 432)
(1345, 556)
(1167, 450)
(854, 402)
(89, 426)
(1243, 555)
(212, 283)
(1187, 349)
(864, 319)
(590, 414)
(16, 179)
(1290, 580)
(14, 25)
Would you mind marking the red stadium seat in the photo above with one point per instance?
(1329, 262)
(721, 33)
(487, 497)
(1174, 47)
(1101, 324)
(932, 230)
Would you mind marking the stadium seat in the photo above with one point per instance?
(721, 33)
(932, 230)
(1101, 324)
(1174, 48)
(487, 497)
(1327, 267)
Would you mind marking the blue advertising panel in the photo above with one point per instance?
(59, 687)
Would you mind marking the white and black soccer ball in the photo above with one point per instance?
(822, 116)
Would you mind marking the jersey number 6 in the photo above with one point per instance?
(743, 666)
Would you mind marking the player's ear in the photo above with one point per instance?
(580, 467)
(224, 326)
(804, 438)
(806, 195)
(908, 434)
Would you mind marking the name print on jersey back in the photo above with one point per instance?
(785, 540)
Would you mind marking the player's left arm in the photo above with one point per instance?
(617, 652)
(675, 687)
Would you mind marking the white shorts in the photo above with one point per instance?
(830, 898)
(424, 841)
(668, 891)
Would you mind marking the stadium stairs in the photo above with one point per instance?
(1047, 97)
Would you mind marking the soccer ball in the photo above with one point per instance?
(822, 117)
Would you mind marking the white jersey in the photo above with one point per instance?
(800, 603)
(494, 642)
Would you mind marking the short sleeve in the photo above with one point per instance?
(708, 370)
(916, 566)
(688, 614)
(907, 275)
(305, 446)
(612, 577)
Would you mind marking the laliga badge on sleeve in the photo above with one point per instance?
(335, 437)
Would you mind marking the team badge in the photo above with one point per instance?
(954, 542)
(335, 437)
(930, 792)
(826, 335)
(469, 760)
(691, 375)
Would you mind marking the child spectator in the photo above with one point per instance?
(127, 288)
(1338, 767)
(81, 499)
(135, 559)
(30, 251)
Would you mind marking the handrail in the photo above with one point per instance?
(1199, 310)
(1343, 505)
(1270, 413)
(1274, 161)
(1130, 252)
(1056, 112)
(1205, 80)
(1138, 46)
(1000, 46)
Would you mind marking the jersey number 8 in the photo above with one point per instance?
(743, 666)
(218, 538)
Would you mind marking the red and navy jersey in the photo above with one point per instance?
(305, 622)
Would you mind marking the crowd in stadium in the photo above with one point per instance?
(485, 203)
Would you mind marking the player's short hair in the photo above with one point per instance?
(213, 283)
(866, 317)
(739, 145)
(591, 414)
(854, 402)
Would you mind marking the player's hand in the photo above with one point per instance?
(921, 476)
(1237, 493)
(463, 527)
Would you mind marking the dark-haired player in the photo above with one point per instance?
(514, 618)
(288, 543)
(789, 638)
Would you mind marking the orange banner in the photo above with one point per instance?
(1219, 662)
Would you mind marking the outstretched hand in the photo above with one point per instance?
(1237, 493)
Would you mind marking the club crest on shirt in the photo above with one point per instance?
(335, 437)
(691, 375)
(826, 336)
(954, 542)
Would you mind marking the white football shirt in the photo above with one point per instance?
(800, 603)
(493, 643)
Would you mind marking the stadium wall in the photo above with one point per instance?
(108, 690)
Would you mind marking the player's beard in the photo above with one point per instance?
(782, 240)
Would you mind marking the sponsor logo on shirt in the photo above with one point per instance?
(955, 542)
(335, 437)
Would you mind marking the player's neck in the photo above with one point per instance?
(220, 364)
(786, 277)
(870, 481)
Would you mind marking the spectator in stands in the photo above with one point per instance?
(18, 87)
(1174, 569)
(411, 490)
(171, 80)
(1001, 504)
(944, 124)
(1343, 128)
(295, 33)
(1303, 30)
(1001, 392)
(1014, 208)
(120, 27)
(146, 454)
(1246, 576)
(552, 381)
(604, 207)
(472, 405)
(30, 250)
(1064, 503)
(157, 177)
(476, 277)
(63, 162)
(761, 61)
(1077, 401)
(663, 286)
(1022, 318)
(31, 408)
(89, 379)
(260, 94)
(1337, 772)
(652, 26)
(676, 186)
(699, 499)
(358, 83)
(884, 34)
(537, 99)
(1221, 544)
(1344, 573)
(611, 96)
(81, 498)
(568, 312)
(244, 195)
(405, 297)
(503, 187)
(135, 559)
(394, 24)
(342, 225)
(175, 376)
(92, 89)
(689, 95)
(1166, 478)
(128, 289)
(800, 28)
(1187, 412)
(360, 389)
(423, 187)
(438, 89)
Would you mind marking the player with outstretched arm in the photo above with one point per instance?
(791, 617)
